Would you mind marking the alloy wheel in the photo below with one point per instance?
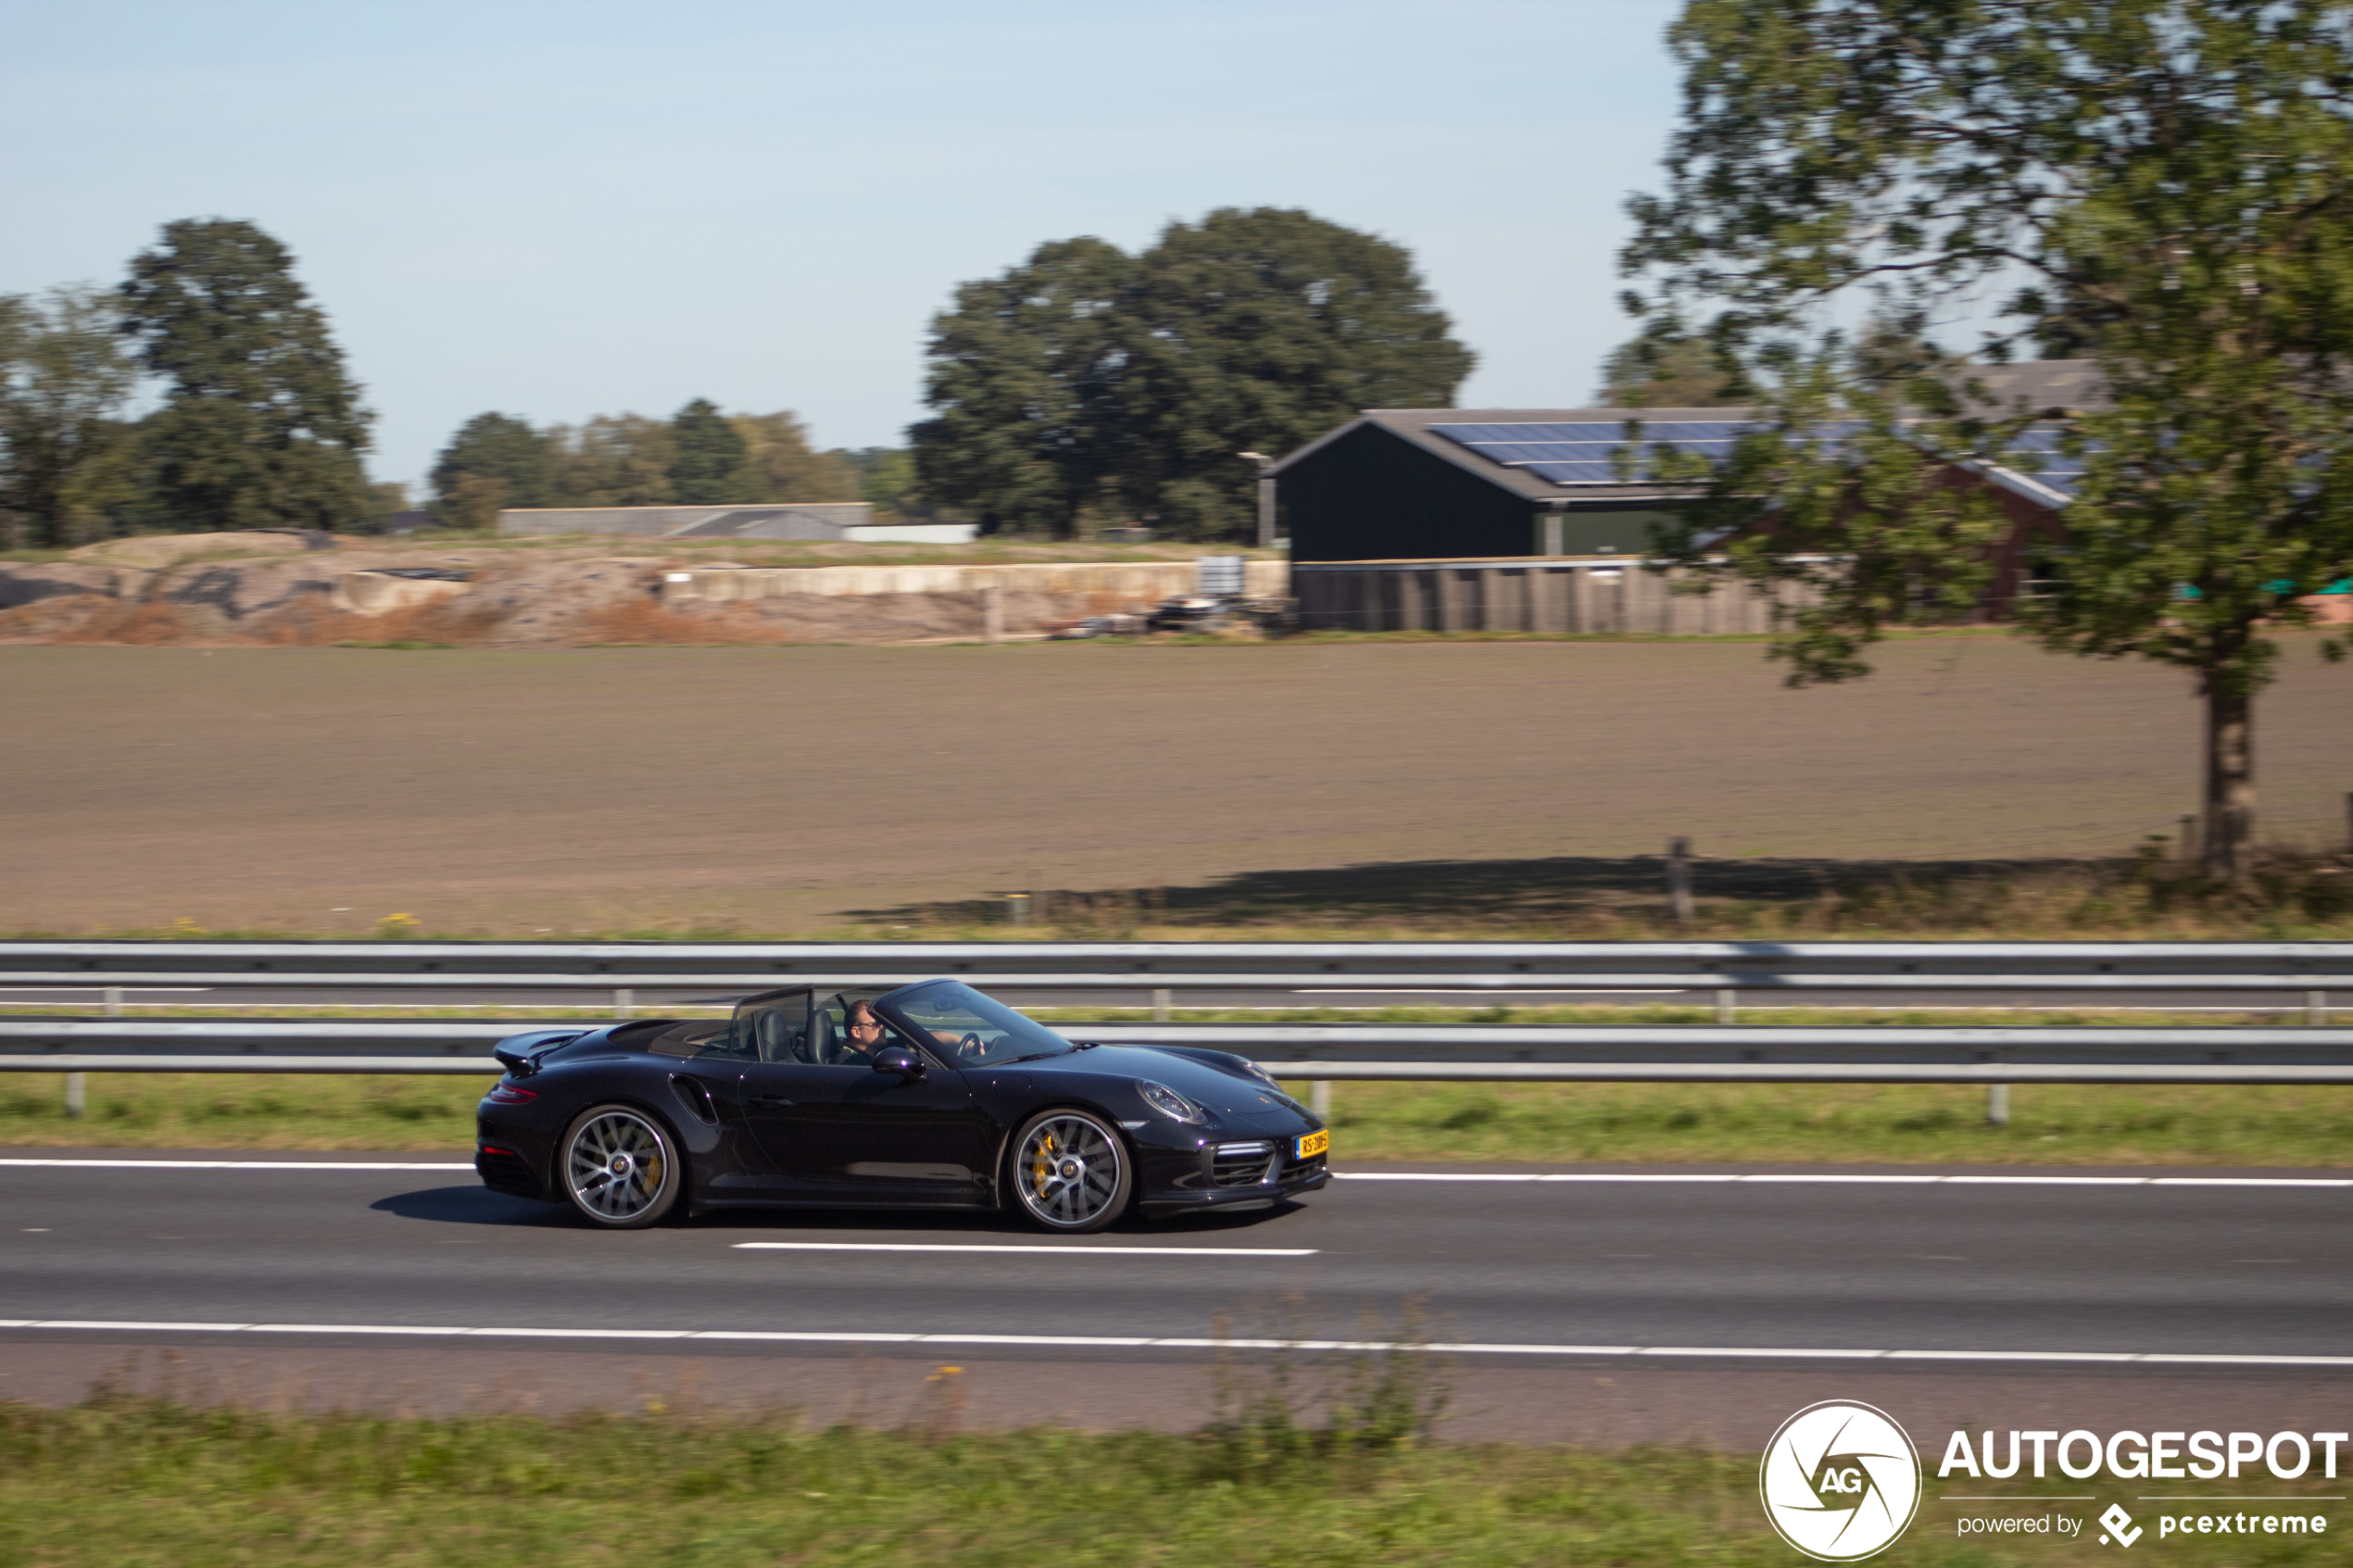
(618, 1167)
(1071, 1172)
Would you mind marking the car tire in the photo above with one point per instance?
(620, 1167)
(1070, 1171)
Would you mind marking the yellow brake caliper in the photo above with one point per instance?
(1041, 1167)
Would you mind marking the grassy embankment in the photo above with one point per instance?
(122, 1483)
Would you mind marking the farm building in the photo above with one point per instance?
(1517, 519)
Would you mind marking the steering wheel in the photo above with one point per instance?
(971, 1047)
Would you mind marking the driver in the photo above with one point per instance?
(864, 1037)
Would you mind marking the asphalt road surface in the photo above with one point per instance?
(1664, 1302)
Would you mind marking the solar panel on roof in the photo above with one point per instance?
(1586, 452)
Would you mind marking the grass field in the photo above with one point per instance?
(2057, 1124)
(1362, 788)
(127, 1484)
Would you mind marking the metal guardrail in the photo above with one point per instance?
(1499, 1052)
(1158, 963)
(2306, 971)
(1083, 980)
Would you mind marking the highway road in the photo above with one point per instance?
(1627, 1302)
(1590, 1263)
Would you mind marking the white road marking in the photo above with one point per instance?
(1777, 1179)
(1168, 1342)
(245, 1164)
(1027, 1251)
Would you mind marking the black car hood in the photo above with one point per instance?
(1228, 1095)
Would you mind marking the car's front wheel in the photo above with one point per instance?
(1071, 1172)
(621, 1168)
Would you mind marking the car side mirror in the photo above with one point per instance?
(898, 1060)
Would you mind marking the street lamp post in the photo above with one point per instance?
(1266, 497)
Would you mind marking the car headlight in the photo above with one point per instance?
(1168, 1102)
(1261, 1074)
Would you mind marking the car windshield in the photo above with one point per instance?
(970, 1029)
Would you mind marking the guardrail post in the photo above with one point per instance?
(1159, 1005)
(78, 1084)
(2316, 1008)
(1679, 881)
(992, 612)
(1997, 1104)
(624, 1003)
(1726, 1003)
(1319, 1100)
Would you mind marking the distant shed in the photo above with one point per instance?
(1433, 483)
(1461, 505)
(1419, 483)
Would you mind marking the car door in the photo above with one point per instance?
(850, 1133)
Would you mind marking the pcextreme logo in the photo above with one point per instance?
(1840, 1481)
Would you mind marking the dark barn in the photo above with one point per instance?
(1420, 483)
(1526, 519)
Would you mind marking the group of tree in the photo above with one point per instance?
(2162, 186)
(255, 423)
(1086, 384)
(697, 457)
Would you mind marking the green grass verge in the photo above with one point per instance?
(1888, 1124)
(132, 1483)
(1669, 1124)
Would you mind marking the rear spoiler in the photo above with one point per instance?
(520, 1054)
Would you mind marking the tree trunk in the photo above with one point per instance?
(2230, 783)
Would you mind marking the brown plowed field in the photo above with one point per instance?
(781, 789)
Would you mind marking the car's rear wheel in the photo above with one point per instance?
(1071, 1172)
(621, 1168)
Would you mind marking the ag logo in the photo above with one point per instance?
(1840, 1481)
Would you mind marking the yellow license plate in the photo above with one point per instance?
(1313, 1143)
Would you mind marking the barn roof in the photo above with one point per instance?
(1565, 456)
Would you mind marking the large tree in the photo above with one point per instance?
(261, 426)
(2167, 184)
(1259, 329)
(1086, 380)
(1022, 378)
(65, 375)
(706, 467)
(495, 461)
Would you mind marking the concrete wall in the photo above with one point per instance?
(801, 520)
(1604, 594)
(1147, 581)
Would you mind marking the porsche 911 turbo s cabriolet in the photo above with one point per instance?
(926, 1096)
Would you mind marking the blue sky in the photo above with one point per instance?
(563, 209)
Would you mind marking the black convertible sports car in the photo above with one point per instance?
(929, 1096)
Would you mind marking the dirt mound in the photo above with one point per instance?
(275, 589)
(156, 550)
